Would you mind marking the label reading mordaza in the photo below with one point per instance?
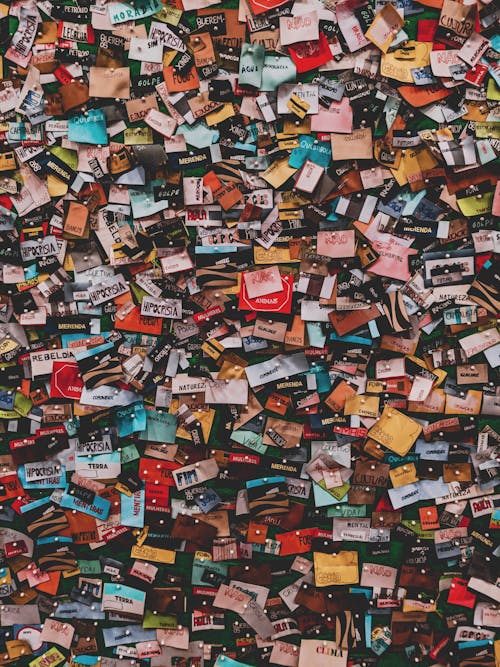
(109, 290)
(167, 308)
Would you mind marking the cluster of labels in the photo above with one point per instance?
(249, 346)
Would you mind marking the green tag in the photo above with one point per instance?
(129, 453)
(346, 510)
(249, 439)
(159, 620)
(89, 566)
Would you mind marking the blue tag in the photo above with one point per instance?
(131, 634)
(132, 509)
(130, 418)
(35, 504)
(89, 129)
(59, 539)
(263, 481)
(99, 508)
(447, 550)
(6, 400)
(207, 500)
(160, 427)
(56, 482)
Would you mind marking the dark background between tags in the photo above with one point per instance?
(118, 550)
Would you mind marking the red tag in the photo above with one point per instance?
(279, 302)
(62, 75)
(475, 75)
(23, 451)
(261, 6)
(13, 549)
(65, 381)
(24, 237)
(354, 432)
(310, 55)
(114, 532)
(152, 470)
(205, 315)
(426, 29)
(460, 595)
(10, 487)
(247, 459)
(156, 497)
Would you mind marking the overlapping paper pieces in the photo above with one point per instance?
(248, 340)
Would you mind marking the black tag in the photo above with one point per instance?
(143, 83)
(81, 493)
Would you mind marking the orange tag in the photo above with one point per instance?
(76, 219)
(297, 541)
(227, 194)
(50, 587)
(278, 403)
(134, 321)
(337, 398)
(429, 518)
(178, 84)
(257, 532)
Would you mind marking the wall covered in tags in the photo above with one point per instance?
(249, 346)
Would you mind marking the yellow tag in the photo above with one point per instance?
(169, 14)
(142, 535)
(406, 474)
(488, 130)
(337, 492)
(231, 371)
(418, 605)
(470, 405)
(471, 206)
(213, 348)
(154, 554)
(17, 648)
(217, 116)
(123, 489)
(55, 186)
(275, 255)
(51, 657)
(138, 135)
(202, 555)
(374, 387)
(336, 570)
(288, 144)
(493, 91)
(7, 345)
(395, 431)
(168, 56)
(289, 214)
(297, 106)
(206, 419)
(364, 406)
(71, 573)
(278, 173)
(414, 161)
(399, 63)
